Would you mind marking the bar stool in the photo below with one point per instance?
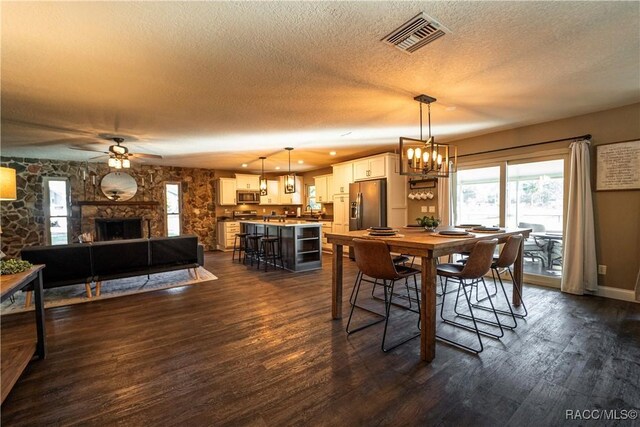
(271, 251)
(477, 265)
(374, 260)
(252, 250)
(241, 247)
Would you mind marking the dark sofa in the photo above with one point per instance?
(94, 262)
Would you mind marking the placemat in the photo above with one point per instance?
(383, 237)
(454, 237)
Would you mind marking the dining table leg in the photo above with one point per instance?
(518, 274)
(428, 309)
(336, 282)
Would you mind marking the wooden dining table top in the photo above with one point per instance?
(419, 239)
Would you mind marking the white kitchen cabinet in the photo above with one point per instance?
(273, 193)
(341, 213)
(327, 227)
(324, 184)
(227, 191)
(226, 234)
(247, 182)
(369, 168)
(342, 177)
(293, 198)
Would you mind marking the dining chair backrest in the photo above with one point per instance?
(509, 252)
(480, 259)
(373, 258)
(536, 228)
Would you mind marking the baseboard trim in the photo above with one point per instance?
(617, 293)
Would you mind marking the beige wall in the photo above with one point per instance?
(617, 213)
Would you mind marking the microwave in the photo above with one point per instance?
(247, 197)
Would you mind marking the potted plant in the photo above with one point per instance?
(428, 222)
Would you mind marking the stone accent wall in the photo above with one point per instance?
(23, 220)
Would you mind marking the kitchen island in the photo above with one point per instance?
(301, 241)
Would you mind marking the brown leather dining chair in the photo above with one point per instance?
(469, 274)
(374, 261)
(504, 262)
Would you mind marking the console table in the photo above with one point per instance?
(15, 358)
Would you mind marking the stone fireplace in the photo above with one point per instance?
(118, 228)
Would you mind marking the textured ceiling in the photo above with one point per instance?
(217, 84)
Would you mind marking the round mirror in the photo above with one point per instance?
(118, 186)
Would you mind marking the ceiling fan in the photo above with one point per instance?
(119, 155)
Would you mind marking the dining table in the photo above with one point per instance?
(428, 247)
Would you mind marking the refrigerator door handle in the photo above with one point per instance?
(359, 201)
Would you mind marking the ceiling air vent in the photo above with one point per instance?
(418, 32)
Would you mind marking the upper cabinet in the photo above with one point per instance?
(226, 191)
(273, 193)
(290, 199)
(247, 182)
(371, 167)
(342, 177)
(324, 186)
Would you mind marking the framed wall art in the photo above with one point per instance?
(618, 166)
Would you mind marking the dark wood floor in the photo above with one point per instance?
(261, 349)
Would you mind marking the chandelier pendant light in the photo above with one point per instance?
(426, 158)
(290, 178)
(263, 180)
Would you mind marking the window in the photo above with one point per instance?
(478, 196)
(57, 210)
(518, 191)
(173, 198)
(311, 200)
(536, 194)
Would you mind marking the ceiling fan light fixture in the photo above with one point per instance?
(290, 179)
(112, 162)
(126, 163)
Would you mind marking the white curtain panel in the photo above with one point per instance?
(579, 269)
(444, 200)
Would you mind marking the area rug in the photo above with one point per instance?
(76, 294)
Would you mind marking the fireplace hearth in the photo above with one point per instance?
(118, 228)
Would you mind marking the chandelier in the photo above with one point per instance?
(426, 158)
(290, 178)
(119, 155)
(263, 180)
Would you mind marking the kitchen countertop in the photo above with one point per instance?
(287, 223)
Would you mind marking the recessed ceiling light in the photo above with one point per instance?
(244, 165)
(300, 162)
(452, 108)
(332, 153)
(277, 168)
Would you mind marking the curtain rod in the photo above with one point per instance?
(587, 136)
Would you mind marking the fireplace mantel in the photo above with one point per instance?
(114, 203)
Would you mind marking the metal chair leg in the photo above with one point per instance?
(475, 329)
(386, 322)
(353, 306)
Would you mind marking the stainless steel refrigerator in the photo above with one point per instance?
(367, 205)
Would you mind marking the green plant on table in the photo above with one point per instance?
(14, 266)
(428, 221)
